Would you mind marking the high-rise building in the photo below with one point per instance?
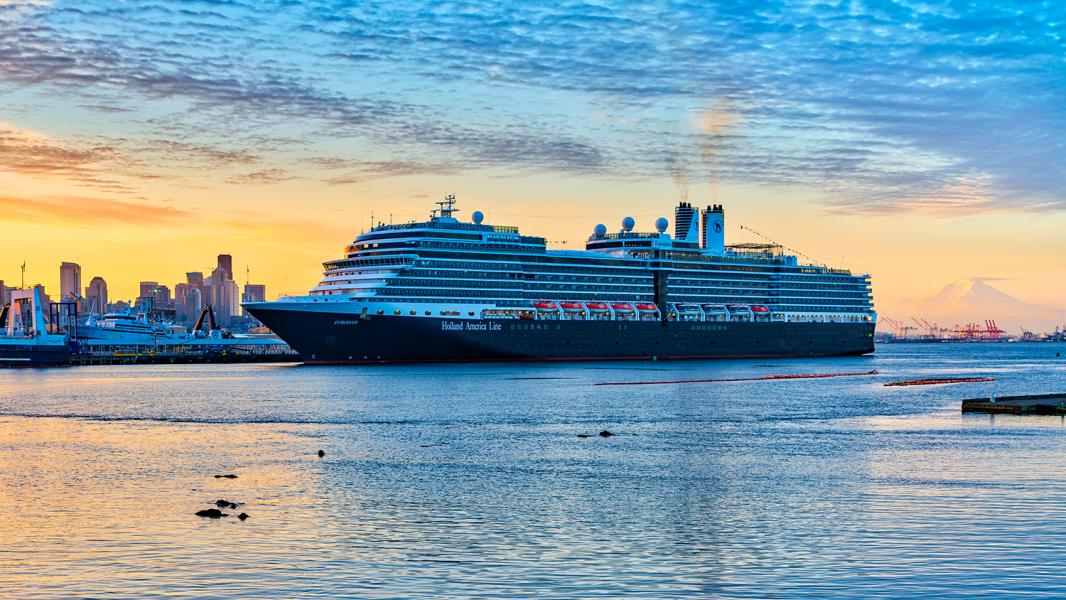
(96, 295)
(3, 294)
(193, 304)
(225, 296)
(69, 281)
(195, 278)
(225, 262)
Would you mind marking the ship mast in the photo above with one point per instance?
(447, 207)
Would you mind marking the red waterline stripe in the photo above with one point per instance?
(939, 381)
(763, 378)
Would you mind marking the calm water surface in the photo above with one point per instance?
(471, 480)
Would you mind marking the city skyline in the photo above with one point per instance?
(905, 141)
(182, 304)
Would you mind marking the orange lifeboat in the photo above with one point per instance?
(622, 307)
(545, 305)
(572, 306)
(597, 306)
(759, 308)
(647, 307)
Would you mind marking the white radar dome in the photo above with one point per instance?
(600, 230)
(628, 223)
(478, 217)
(661, 224)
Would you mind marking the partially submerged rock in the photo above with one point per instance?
(226, 503)
(227, 476)
(211, 513)
(242, 516)
(321, 453)
(605, 433)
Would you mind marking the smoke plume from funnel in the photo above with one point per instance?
(713, 126)
(679, 173)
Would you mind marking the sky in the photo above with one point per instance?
(919, 142)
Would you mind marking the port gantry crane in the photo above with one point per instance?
(933, 331)
(901, 329)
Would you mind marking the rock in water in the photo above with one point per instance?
(582, 435)
(227, 476)
(605, 433)
(321, 453)
(211, 513)
(226, 504)
(242, 516)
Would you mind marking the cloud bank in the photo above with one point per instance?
(941, 107)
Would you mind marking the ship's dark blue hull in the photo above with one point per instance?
(324, 337)
(33, 355)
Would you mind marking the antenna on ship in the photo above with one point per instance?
(447, 207)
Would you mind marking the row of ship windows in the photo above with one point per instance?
(531, 263)
(496, 271)
(614, 294)
(807, 305)
(675, 287)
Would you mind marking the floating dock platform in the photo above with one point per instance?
(1038, 404)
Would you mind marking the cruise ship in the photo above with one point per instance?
(445, 290)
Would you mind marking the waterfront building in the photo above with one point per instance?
(3, 294)
(69, 281)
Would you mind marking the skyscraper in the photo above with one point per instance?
(69, 281)
(96, 295)
(225, 296)
(3, 293)
(225, 262)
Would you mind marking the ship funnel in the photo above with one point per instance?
(714, 229)
(686, 223)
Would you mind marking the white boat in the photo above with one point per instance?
(122, 328)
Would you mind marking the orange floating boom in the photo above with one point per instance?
(763, 378)
(939, 380)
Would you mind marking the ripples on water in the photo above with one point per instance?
(470, 480)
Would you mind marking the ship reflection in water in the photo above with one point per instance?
(471, 481)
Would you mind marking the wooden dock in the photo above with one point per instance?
(1038, 404)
